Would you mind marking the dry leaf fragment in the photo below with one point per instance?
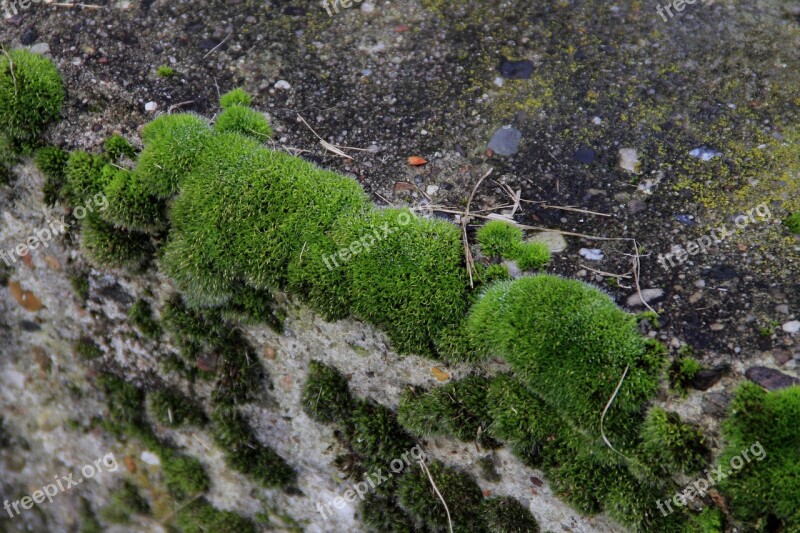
(440, 374)
(26, 299)
(416, 161)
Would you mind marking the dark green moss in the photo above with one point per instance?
(80, 285)
(87, 519)
(709, 520)
(52, 162)
(462, 495)
(494, 273)
(382, 515)
(130, 205)
(171, 408)
(458, 409)
(141, 315)
(199, 516)
(375, 434)
(681, 372)
(118, 147)
(245, 454)
(253, 306)
(183, 475)
(125, 502)
(488, 470)
(792, 222)
(86, 175)
(326, 397)
(109, 246)
(86, 349)
(671, 445)
(125, 404)
(507, 515)
(31, 94)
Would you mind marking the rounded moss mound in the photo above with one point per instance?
(113, 247)
(129, 206)
(671, 445)
(570, 344)
(507, 515)
(235, 97)
(498, 238)
(326, 397)
(31, 94)
(761, 458)
(240, 119)
(86, 175)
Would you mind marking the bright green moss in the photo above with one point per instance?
(31, 94)
(244, 453)
(765, 492)
(792, 222)
(86, 176)
(164, 71)
(495, 273)
(86, 349)
(531, 255)
(499, 239)
(382, 515)
(462, 494)
(114, 247)
(244, 120)
(709, 520)
(171, 408)
(199, 516)
(141, 315)
(326, 397)
(183, 475)
(52, 162)
(172, 144)
(235, 97)
(129, 204)
(253, 306)
(118, 147)
(458, 409)
(681, 372)
(527, 321)
(125, 502)
(671, 445)
(507, 515)
(375, 434)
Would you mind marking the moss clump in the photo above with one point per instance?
(375, 434)
(458, 409)
(109, 246)
(244, 453)
(671, 445)
(495, 273)
(130, 206)
(52, 162)
(527, 321)
(326, 397)
(199, 516)
(253, 306)
(86, 176)
(125, 404)
(235, 97)
(141, 315)
(507, 515)
(86, 349)
(171, 408)
(125, 501)
(681, 373)
(499, 239)
(163, 71)
(183, 475)
(463, 496)
(80, 285)
(31, 94)
(117, 147)
(709, 520)
(382, 515)
(792, 222)
(531, 255)
(244, 120)
(763, 427)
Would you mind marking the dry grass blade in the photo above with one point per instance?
(435, 488)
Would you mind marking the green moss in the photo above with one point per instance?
(792, 222)
(141, 315)
(52, 162)
(86, 176)
(31, 94)
(163, 71)
(171, 408)
(709, 520)
(382, 515)
(125, 404)
(253, 306)
(375, 434)
(108, 246)
(87, 520)
(199, 516)
(531, 255)
(671, 445)
(245, 454)
(80, 285)
(130, 206)
(507, 515)
(326, 397)
(183, 475)
(499, 239)
(681, 373)
(235, 97)
(125, 502)
(494, 273)
(118, 147)
(244, 120)
(462, 495)
(527, 322)
(457, 409)
(765, 492)
(86, 349)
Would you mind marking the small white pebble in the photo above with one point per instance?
(150, 458)
(498, 81)
(597, 121)
(431, 190)
(282, 84)
(366, 7)
(150, 106)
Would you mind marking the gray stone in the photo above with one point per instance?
(505, 141)
(792, 327)
(553, 239)
(715, 404)
(648, 295)
(769, 378)
(592, 254)
(40, 48)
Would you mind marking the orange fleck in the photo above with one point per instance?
(416, 160)
(26, 299)
(440, 374)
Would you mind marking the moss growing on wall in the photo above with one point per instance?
(326, 397)
(125, 501)
(117, 147)
(507, 515)
(141, 315)
(171, 408)
(501, 239)
(681, 372)
(671, 445)
(199, 516)
(792, 223)
(108, 246)
(52, 162)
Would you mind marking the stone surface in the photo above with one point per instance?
(769, 378)
(505, 141)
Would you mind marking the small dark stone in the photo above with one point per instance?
(536, 481)
(210, 44)
(636, 206)
(706, 378)
(293, 11)
(29, 325)
(446, 185)
(769, 378)
(715, 404)
(28, 37)
(516, 70)
(97, 127)
(585, 155)
(117, 293)
(684, 219)
(461, 150)
(721, 272)
(782, 357)
(16, 20)
(443, 215)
